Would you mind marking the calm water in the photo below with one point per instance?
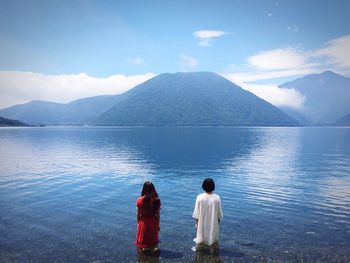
(67, 194)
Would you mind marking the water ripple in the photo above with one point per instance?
(74, 189)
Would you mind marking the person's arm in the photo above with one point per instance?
(196, 213)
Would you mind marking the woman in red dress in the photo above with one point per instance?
(148, 216)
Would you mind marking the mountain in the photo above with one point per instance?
(344, 121)
(327, 97)
(295, 115)
(200, 98)
(77, 112)
(8, 122)
(35, 112)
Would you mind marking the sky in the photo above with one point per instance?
(64, 50)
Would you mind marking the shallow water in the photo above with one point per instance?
(67, 194)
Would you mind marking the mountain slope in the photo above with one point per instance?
(344, 121)
(201, 98)
(327, 96)
(76, 112)
(11, 123)
(35, 112)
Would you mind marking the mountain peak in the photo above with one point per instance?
(192, 98)
(191, 73)
(326, 95)
(182, 98)
(199, 74)
(329, 73)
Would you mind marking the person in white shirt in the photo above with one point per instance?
(207, 213)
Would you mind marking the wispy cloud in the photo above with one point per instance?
(19, 87)
(188, 63)
(280, 59)
(337, 52)
(275, 64)
(269, 92)
(253, 76)
(272, 65)
(206, 37)
(288, 62)
(275, 95)
(296, 61)
(136, 61)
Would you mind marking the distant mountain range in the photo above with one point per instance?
(11, 123)
(198, 98)
(201, 98)
(78, 112)
(345, 121)
(327, 98)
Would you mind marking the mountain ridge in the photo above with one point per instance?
(344, 121)
(327, 97)
(4, 122)
(196, 98)
(77, 112)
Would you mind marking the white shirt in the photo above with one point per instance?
(208, 211)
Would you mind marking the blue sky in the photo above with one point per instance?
(121, 43)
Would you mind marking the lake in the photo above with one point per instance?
(67, 194)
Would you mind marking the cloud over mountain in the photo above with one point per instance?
(19, 87)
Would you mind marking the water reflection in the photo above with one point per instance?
(171, 148)
(147, 257)
(39, 157)
(120, 151)
(206, 257)
(210, 254)
(268, 171)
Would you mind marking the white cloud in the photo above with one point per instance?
(282, 58)
(337, 51)
(206, 37)
(272, 65)
(136, 61)
(290, 62)
(276, 96)
(275, 64)
(187, 63)
(294, 62)
(251, 76)
(20, 87)
(335, 55)
(209, 33)
(271, 93)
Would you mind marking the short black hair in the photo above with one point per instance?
(208, 185)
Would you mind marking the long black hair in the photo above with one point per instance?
(150, 202)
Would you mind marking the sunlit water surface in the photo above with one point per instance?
(67, 194)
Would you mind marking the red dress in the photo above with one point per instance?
(147, 227)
